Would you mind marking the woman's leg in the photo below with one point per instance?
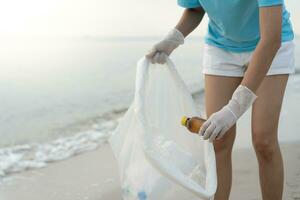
(218, 91)
(265, 118)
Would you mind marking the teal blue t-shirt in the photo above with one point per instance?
(234, 24)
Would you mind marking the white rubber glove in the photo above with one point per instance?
(161, 50)
(219, 122)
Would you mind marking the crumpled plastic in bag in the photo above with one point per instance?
(158, 158)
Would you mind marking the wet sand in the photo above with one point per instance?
(94, 176)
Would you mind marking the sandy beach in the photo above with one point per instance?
(94, 176)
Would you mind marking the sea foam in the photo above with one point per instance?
(29, 156)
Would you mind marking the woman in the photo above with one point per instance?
(248, 56)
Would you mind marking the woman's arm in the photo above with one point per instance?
(189, 20)
(244, 96)
(270, 41)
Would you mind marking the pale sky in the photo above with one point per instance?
(99, 17)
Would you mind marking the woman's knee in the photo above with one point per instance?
(265, 143)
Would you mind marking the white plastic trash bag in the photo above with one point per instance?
(158, 158)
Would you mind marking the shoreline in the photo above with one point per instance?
(22, 157)
(94, 176)
(30, 156)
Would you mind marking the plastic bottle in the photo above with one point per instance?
(193, 124)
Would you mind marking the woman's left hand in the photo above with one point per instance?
(219, 122)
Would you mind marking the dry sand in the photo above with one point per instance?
(94, 176)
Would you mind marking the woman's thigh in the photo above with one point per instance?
(266, 110)
(218, 92)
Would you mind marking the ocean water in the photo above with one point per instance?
(63, 96)
(55, 87)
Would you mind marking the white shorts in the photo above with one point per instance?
(217, 61)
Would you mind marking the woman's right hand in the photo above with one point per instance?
(161, 50)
